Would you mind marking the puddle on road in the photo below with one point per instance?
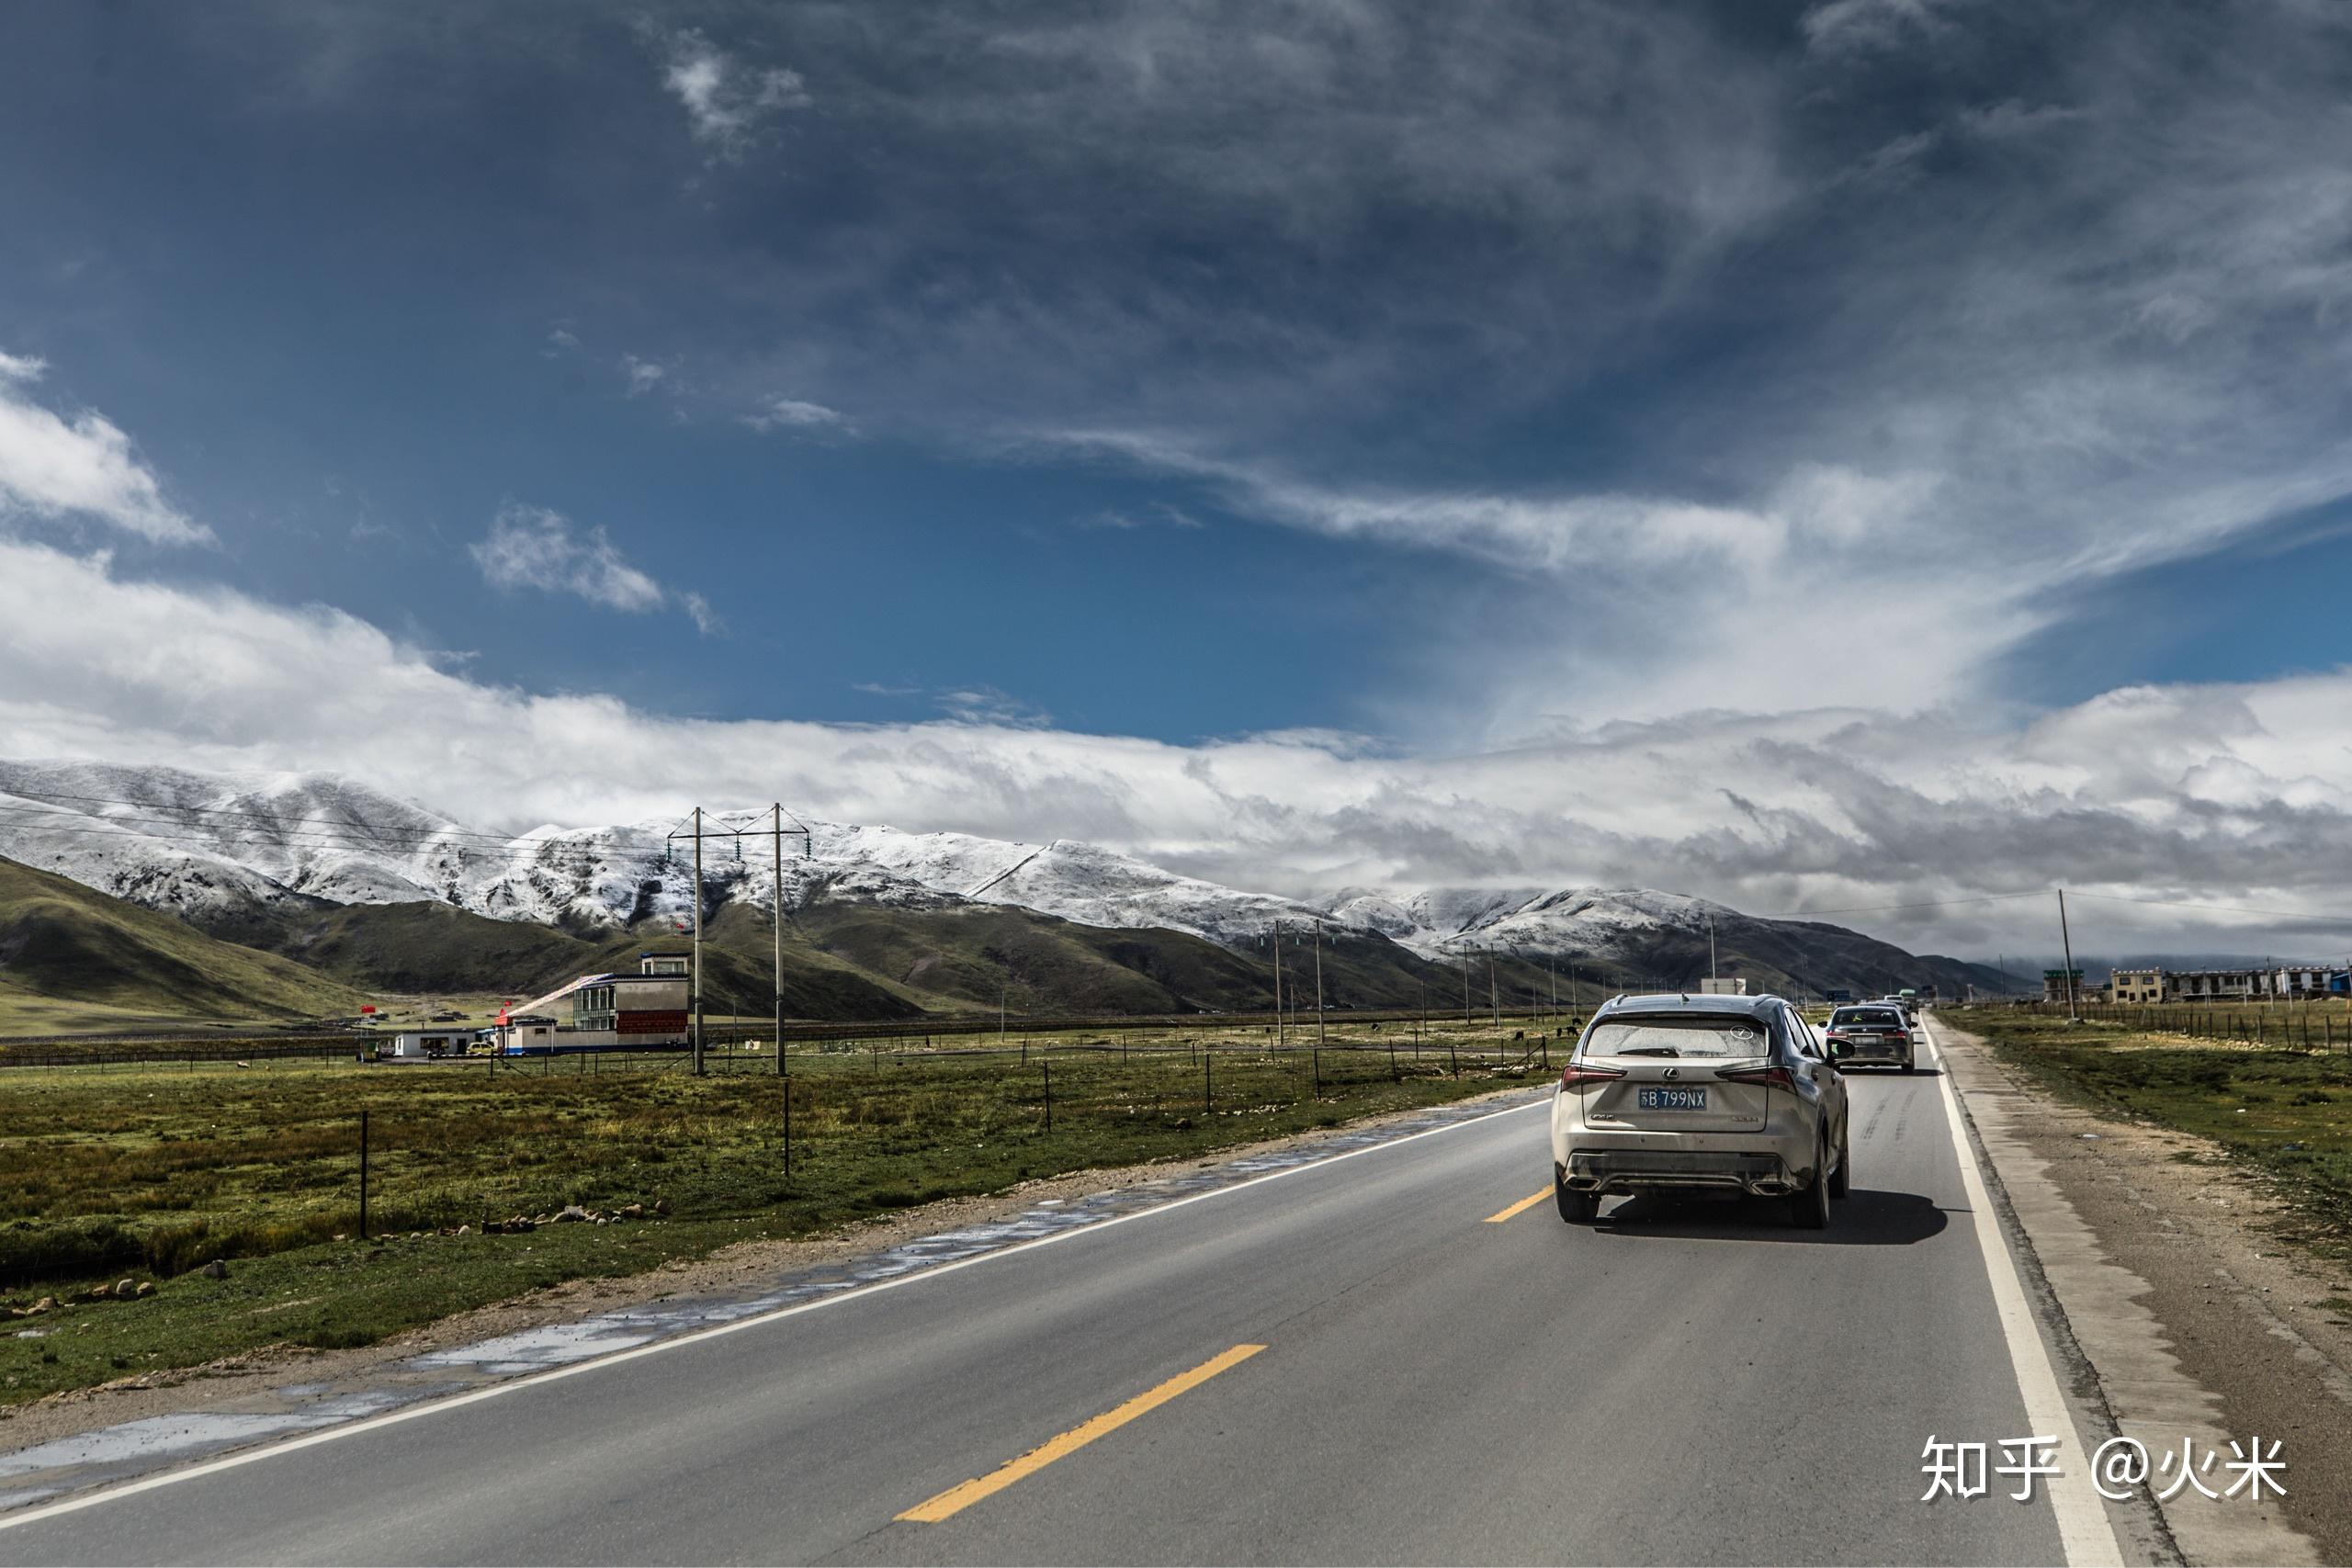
(114, 1453)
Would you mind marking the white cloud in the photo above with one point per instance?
(54, 466)
(643, 375)
(990, 706)
(533, 547)
(792, 413)
(2233, 794)
(726, 102)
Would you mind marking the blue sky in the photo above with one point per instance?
(1417, 384)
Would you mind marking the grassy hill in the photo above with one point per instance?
(417, 948)
(63, 945)
(69, 943)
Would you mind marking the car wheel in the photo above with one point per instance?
(1909, 1065)
(1809, 1209)
(1839, 1184)
(1577, 1208)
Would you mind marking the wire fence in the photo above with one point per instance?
(184, 1163)
(2320, 1024)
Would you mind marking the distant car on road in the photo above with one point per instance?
(1699, 1092)
(1873, 1031)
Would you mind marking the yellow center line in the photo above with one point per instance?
(1519, 1208)
(963, 1495)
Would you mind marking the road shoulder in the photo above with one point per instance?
(72, 1442)
(2184, 1320)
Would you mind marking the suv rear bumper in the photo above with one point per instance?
(1603, 1170)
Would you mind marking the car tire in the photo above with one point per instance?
(1910, 1065)
(1809, 1207)
(1839, 1184)
(1577, 1208)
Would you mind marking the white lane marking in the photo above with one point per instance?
(455, 1400)
(2084, 1535)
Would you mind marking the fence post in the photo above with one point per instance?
(363, 1176)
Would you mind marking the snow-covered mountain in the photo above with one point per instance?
(1605, 923)
(211, 845)
(215, 847)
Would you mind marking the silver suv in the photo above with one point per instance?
(1732, 1093)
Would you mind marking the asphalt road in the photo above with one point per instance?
(1693, 1382)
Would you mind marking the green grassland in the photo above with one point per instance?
(2282, 1110)
(24, 1013)
(151, 1172)
(65, 942)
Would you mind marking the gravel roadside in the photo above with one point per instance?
(2196, 1320)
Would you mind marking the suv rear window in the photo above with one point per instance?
(1875, 1017)
(1678, 1035)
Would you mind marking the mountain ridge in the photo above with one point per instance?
(247, 851)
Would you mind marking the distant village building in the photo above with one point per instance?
(2293, 982)
(2062, 985)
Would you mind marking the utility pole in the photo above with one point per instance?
(1494, 997)
(781, 1070)
(2068, 942)
(697, 833)
(1466, 988)
(1282, 1036)
(694, 1018)
(1318, 985)
(1712, 971)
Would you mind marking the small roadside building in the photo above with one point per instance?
(531, 1032)
(424, 1044)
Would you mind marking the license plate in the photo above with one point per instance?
(1672, 1100)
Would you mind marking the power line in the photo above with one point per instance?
(2216, 908)
(343, 821)
(358, 835)
(542, 852)
(450, 831)
(1927, 903)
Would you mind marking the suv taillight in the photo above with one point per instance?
(1576, 1075)
(1771, 1078)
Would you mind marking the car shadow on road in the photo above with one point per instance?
(1868, 1071)
(1865, 1217)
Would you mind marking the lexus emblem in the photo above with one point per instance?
(1674, 1072)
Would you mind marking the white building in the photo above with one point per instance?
(647, 1009)
(423, 1044)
